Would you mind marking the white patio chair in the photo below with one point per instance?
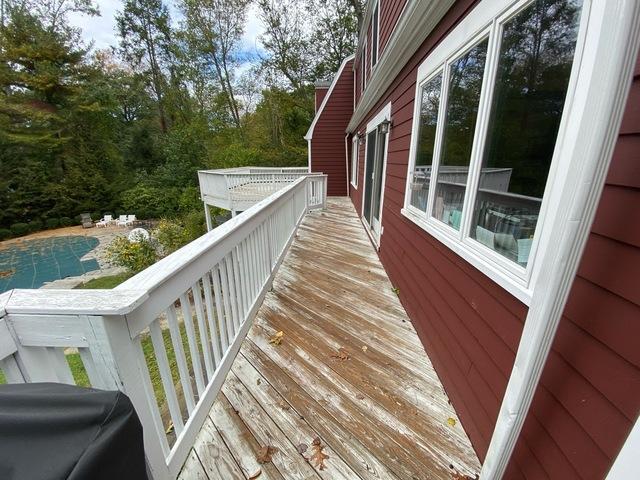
(122, 221)
(131, 219)
(104, 221)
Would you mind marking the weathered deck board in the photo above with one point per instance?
(382, 413)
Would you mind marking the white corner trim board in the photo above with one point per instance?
(627, 465)
(309, 134)
(611, 46)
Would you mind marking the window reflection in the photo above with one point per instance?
(465, 84)
(536, 56)
(429, 105)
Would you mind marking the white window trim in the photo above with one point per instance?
(381, 116)
(355, 155)
(376, 6)
(364, 68)
(481, 21)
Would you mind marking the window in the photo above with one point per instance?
(354, 161)
(487, 115)
(375, 25)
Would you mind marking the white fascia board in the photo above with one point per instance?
(309, 134)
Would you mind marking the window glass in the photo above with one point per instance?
(370, 161)
(374, 37)
(465, 84)
(536, 55)
(354, 161)
(429, 105)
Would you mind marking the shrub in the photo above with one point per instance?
(134, 256)
(5, 233)
(65, 222)
(173, 234)
(35, 225)
(19, 229)
(52, 223)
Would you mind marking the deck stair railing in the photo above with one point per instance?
(194, 307)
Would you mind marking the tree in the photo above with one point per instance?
(145, 42)
(214, 29)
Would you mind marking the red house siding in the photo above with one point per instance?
(327, 145)
(589, 395)
(389, 13)
(321, 92)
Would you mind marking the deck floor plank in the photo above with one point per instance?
(214, 455)
(382, 413)
(240, 441)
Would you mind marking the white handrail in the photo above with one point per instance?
(203, 296)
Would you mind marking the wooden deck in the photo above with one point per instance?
(349, 372)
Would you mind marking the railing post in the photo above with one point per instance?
(207, 216)
(120, 360)
(323, 190)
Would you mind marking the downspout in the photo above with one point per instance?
(616, 30)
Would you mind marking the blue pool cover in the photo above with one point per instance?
(32, 263)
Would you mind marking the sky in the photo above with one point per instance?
(102, 29)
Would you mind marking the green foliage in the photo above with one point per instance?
(52, 223)
(65, 222)
(175, 233)
(109, 281)
(19, 229)
(134, 256)
(5, 233)
(35, 225)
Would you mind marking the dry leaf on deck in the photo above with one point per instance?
(456, 475)
(451, 421)
(277, 338)
(365, 348)
(255, 475)
(169, 429)
(360, 396)
(284, 405)
(342, 354)
(265, 453)
(302, 448)
(318, 457)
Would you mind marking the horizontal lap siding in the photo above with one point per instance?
(469, 325)
(589, 395)
(327, 144)
(390, 11)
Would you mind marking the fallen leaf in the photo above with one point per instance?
(342, 354)
(255, 475)
(258, 381)
(396, 291)
(318, 457)
(265, 453)
(284, 405)
(169, 429)
(302, 448)
(456, 475)
(360, 396)
(277, 338)
(364, 348)
(451, 421)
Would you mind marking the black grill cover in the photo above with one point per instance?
(50, 431)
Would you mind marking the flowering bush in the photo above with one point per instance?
(134, 256)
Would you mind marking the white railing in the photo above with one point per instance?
(237, 189)
(193, 307)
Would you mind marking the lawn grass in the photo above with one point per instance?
(110, 281)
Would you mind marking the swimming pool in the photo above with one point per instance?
(32, 263)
